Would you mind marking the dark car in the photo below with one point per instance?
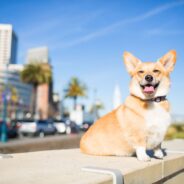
(11, 128)
(86, 125)
(36, 127)
(74, 127)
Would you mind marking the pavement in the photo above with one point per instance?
(64, 167)
(39, 144)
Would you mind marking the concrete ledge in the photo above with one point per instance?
(39, 144)
(64, 167)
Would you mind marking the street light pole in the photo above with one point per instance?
(4, 137)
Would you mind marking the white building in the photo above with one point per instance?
(80, 116)
(8, 44)
(117, 99)
(39, 54)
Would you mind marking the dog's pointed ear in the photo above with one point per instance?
(131, 62)
(168, 60)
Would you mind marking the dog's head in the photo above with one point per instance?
(150, 79)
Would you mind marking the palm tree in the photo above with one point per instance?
(75, 89)
(35, 74)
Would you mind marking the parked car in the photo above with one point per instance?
(62, 126)
(12, 129)
(65, 126)
(37, 127)
(74, 127)
(86, 125)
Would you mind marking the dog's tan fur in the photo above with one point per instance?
(124, 130)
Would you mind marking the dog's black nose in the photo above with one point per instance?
(149, 78)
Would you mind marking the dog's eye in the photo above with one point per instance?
(156, 71)
(140, 71)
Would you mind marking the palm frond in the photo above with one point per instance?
(36, 73)
(75, 88)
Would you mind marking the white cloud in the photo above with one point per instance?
(65, 23)
(163, 32)
(110, 28)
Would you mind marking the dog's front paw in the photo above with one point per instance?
(159, 154)
(141, 154)
(144, 158)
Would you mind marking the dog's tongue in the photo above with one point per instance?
(149, 89)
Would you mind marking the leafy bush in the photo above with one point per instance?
(175, 131)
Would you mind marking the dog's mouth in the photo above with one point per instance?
(149, 88)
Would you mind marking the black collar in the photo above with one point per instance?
(156, 99)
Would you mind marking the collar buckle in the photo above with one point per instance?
(159, 99)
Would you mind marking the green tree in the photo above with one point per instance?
(75, 89)
(36, 73)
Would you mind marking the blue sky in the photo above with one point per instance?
(87, 38)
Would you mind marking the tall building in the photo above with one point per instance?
(8, 44)
(39, 54)
(117, 100)
(18, 93)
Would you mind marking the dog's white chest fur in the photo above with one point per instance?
(157, 122)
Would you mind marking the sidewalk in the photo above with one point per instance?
(64, 167)
(39, 144)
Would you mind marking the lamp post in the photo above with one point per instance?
(4, 137)
(4, 126)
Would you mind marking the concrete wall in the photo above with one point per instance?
(64, 166)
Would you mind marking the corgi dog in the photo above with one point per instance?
(142, 121)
